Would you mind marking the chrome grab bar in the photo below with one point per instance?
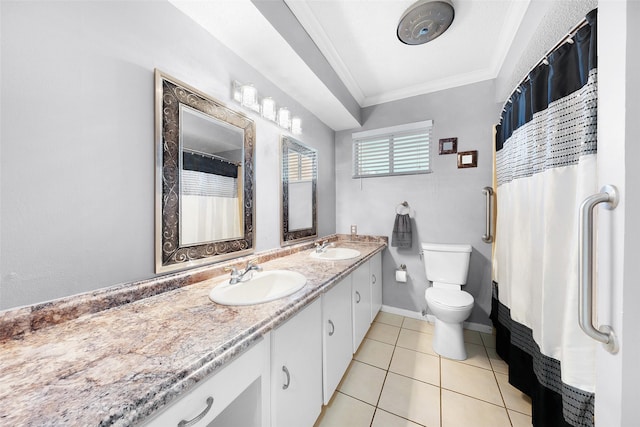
(487, 237)
(609, 196)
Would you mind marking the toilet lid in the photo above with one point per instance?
(449, 298)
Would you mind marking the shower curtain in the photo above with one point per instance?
(545, 167)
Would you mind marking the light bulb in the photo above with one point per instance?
(296, 125)
(284, 118)
(249, 96)
(269, 109)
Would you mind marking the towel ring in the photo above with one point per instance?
(403, 209)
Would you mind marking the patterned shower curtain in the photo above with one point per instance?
(545, 167)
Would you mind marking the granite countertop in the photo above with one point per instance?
(119, 365)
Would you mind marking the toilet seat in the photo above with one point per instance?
(449, 299)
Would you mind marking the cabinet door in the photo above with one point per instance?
(375, 271)
(361, 304)
(296, 369)
(337, 331)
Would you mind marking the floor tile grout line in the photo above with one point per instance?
(440, 381)
(386, 374)
(399, 416)
(475, 398)
(498, 384)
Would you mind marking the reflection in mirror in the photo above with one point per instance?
(204, 178)
(210, 171)
(299, 169)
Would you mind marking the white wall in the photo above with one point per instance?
(618, 230)
(447, 205)
(77, 165)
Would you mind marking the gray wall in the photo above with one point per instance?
(447, 205)
(77, 154)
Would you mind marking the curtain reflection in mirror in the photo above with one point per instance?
(209, 190)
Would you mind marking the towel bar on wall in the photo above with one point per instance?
(609, 196)
(487, 237)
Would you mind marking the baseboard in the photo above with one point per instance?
(472, 326)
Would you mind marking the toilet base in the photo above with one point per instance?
(448, 340)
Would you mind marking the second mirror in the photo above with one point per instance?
(299, 173)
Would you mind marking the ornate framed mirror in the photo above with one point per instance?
(299, 177)
(205, 182)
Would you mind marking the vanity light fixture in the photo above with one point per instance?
(284, 118)
(247, 96)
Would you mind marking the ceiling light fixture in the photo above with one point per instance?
(424, 21)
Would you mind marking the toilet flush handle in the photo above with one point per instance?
(421, 253)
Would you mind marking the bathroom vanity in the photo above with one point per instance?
(160, 352)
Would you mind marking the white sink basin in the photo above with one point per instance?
(335, 254)
(264, 286)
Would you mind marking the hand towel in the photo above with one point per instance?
(401, 236)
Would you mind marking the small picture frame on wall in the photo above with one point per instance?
(468, 159)
(448, 146)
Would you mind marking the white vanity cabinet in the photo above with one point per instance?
(360, 304)
(337, 332)
(239, 391)
(366, 297)
(296, 369)
(375, 276)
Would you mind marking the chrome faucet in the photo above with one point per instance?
(322, 247)
(237, 276)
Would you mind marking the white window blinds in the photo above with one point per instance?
(397, 150)
(300, 167)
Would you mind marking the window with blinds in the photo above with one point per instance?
(397, 150)
(300, 167)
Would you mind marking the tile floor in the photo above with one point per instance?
(397, 380)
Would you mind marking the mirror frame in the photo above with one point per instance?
(288, 237)
(170, 256)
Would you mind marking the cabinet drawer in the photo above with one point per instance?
(221, 389)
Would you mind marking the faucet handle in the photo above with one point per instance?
(234, 273)
(252, 264)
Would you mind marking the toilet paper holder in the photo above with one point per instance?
(401, 273)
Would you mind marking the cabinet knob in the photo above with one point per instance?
(333, 328)
(358, 297)
(185, 423)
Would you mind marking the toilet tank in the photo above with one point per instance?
(446, 263)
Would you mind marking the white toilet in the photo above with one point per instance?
(447, 267)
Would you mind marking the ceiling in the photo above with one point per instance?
(359, 40)
(337, 56)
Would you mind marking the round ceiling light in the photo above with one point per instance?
(424, 21)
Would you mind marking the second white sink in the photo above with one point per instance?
(335, 254)
(264, 286)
